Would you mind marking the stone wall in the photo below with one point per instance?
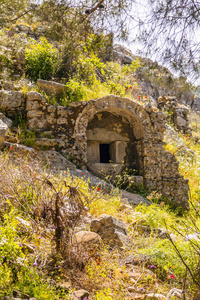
(68, 126)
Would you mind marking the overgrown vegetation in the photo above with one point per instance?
(40, 211)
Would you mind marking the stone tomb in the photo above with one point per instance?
(115, 133)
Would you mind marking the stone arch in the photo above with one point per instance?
(133, 111)
(127, 148)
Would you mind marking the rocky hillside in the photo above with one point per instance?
(64, 233)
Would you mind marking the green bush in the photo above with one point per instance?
(75, 91)
(41, 60)
(88, 69)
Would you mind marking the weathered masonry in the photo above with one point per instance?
(108, 134)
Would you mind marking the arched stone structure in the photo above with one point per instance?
(158, 167)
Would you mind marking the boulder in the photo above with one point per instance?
(111, 230)
(181, 118)
(85, 221)
(184, 109)
(121, 58)
(80, 295)
(123, 50)
(122, 55)
(88, 238)
(51, 87)
(175, 294)
(127, 60)
(187, 98)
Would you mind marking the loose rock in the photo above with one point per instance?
(111, 230)
(87, 238)
(80, 295)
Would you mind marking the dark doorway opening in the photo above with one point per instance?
(104, 153)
